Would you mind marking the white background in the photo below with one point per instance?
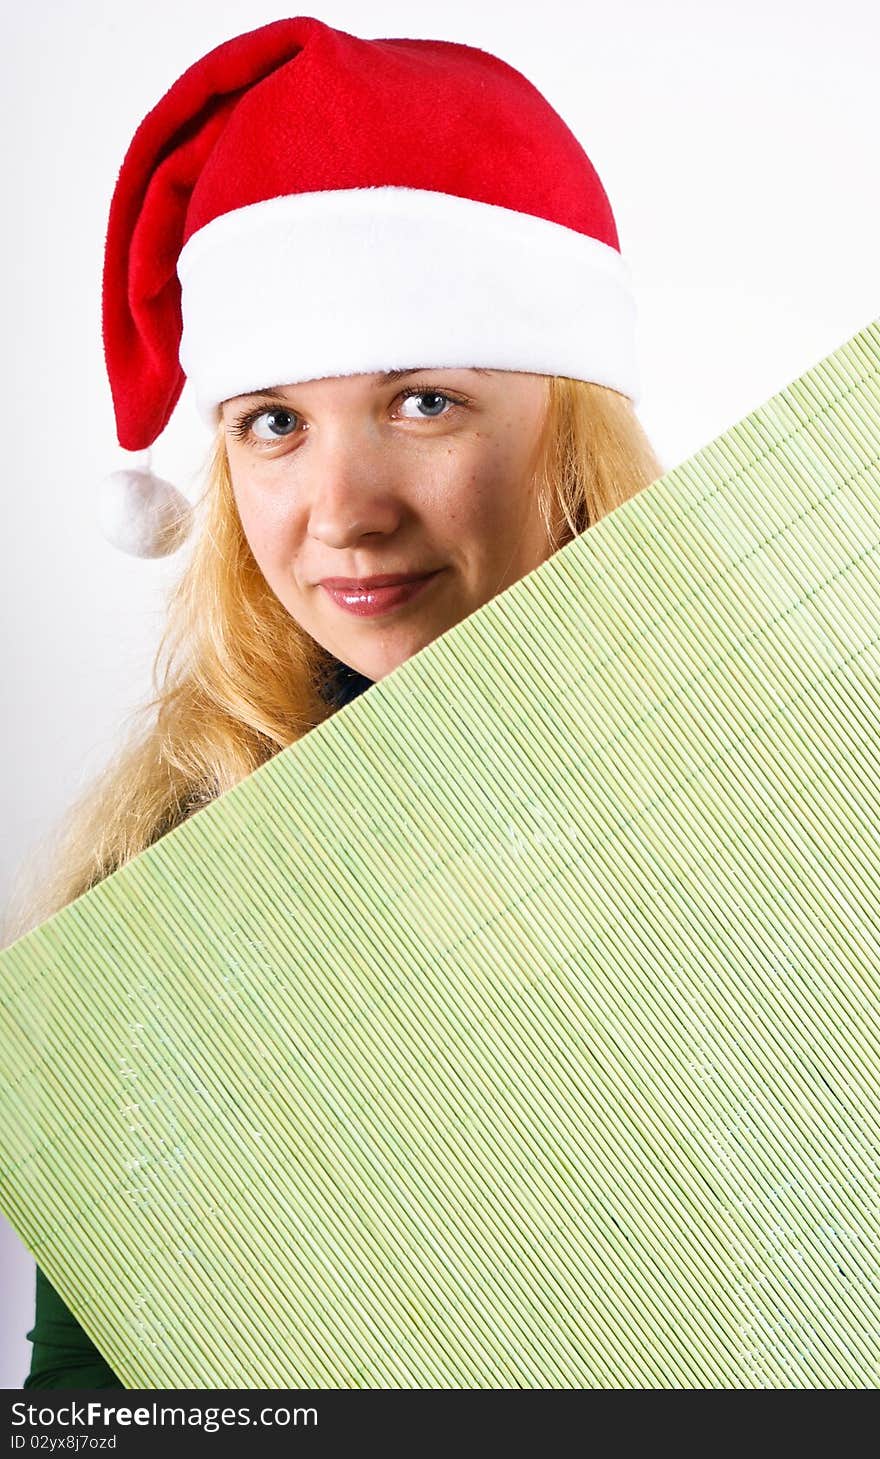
(738, 143)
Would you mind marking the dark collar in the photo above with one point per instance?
(343, 684)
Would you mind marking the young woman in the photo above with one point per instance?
(393, 279)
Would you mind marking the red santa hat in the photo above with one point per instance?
(303, 203)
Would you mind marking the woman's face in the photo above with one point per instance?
(361, 476)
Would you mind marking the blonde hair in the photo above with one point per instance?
(237, 679)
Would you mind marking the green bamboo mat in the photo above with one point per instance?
(519, 1027)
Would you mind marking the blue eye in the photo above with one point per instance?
(270, 415)
(438, 399)
(243, 425)
(281, 423)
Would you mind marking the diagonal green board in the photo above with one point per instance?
(519, 1026)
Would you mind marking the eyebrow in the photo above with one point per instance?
(387, 378)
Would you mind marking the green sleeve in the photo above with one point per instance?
(63, 1356)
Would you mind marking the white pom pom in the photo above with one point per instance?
(143, 515)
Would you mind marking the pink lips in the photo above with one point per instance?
(369, 600)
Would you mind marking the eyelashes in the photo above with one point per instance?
(242, 425)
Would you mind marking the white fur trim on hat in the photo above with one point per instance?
(362, 280)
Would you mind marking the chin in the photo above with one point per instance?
(377, 667)
(375, 650)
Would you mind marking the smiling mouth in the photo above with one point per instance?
(369, 602)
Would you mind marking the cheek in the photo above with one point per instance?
(489, 493)
(265, 524)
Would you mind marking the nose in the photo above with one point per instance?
(351, 489)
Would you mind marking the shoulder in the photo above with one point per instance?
(63, 1355)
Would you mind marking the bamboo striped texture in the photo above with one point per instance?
(517, 1028)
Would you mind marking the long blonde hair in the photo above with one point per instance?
(235, 677)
